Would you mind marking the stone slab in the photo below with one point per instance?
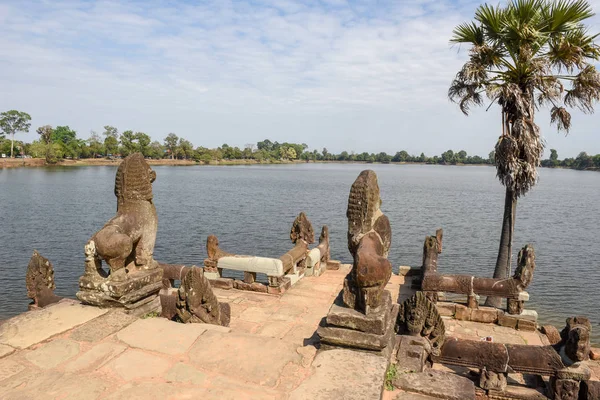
(438, 384)
(263, 265)
(5, 350)
(161, 335)
(253, 287)
(343, 374)
(486, 315)
(54, 353)
(136, 364)
(222, 283)
(594, 353)
(411, 354)
(413, 396)
(185, 373)
(355, 339)
(134, 283)
(95, 358)
(446, 309)
(334, 265)
(251, 358)
(375, 322)
(9, 368)
(33, 327)
(103, 326)
(526, 325)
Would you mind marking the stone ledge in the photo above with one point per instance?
(375, 322)
(345, 337)
(33, 327)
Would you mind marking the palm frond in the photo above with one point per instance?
(492, 20)
(468, 33)
(561, 117)
(585, 90)
(564, 15)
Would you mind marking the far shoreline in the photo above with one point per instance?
(6, 163)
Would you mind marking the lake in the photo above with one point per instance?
(251, 209)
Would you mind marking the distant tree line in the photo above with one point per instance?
(60, 142)
(582, 161)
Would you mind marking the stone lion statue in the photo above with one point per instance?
(127, 240)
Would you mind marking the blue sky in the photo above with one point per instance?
(345, 75)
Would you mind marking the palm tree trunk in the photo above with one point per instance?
(503, 261)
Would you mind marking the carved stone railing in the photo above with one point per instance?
(281, 272)
(513, 288)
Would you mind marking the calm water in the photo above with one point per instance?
(250, 209)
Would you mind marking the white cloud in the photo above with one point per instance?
(360, 75)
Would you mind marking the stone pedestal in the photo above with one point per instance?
(412, 354)
(137, 289)
(346, 327)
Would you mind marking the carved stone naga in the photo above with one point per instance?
(196, 301)
(127, 240)
(575, 338)
(433, 282)
(418, 316)
(40, 281)
(369, 239)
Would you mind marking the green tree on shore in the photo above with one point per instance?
(171, 144)
(14, 121)
(522, 56)
(111, 139)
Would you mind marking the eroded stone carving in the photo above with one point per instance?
(40, 281)
(130, 235)
(576, 338)
(363, 315)
(369, 239)
(418, 316)
(511, 288)
(196, 301)
(126, 243)
(302, 230)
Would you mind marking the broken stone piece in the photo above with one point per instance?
(40, 281)
(196, 301)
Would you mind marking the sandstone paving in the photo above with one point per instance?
(268, 352)
(103, 326)
(167, 336)
(135, 364)
(33, 327)
(54, 353)
(5, 350)
(343, 374)
(253, 358)
(9, 368)
(95, 357)
(185, 373)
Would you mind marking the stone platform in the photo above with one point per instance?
(71, 351)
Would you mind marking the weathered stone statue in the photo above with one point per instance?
(126, 243)
(369, 239)
(576, 338)
(40, 281)
(130, 235)
(418, 316)
(363, 315)
(196, 301)
(302, 230)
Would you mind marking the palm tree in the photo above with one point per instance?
(522, 57)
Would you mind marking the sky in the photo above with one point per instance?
(343, 75)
